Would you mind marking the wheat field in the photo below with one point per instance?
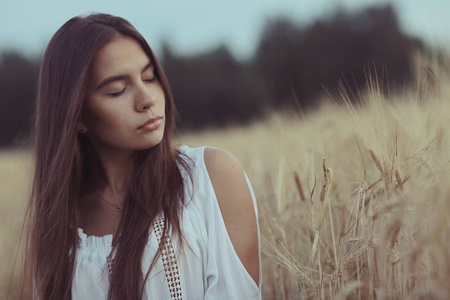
(354, 200)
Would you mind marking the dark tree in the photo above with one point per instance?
(213, 89)
(308, 61)
(18, 78)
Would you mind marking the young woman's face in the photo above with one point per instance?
(124, 106)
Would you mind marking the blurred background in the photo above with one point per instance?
(232, 62)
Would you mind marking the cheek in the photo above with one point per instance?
(162, 102)
(101, 119)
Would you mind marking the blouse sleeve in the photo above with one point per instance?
(226, 276)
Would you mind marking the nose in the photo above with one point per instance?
(145, 99)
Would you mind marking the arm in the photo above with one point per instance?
(236, 205)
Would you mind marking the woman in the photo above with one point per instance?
(117, 211)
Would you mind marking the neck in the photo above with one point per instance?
(117, 167)
(106, 187)
(117, 170)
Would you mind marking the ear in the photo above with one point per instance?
(81, 127)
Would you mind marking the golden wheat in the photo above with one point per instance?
(378, 228)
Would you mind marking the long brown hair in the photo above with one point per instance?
(63, 160)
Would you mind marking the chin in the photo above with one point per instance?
(150, 144)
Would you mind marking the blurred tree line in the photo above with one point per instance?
(292, 68)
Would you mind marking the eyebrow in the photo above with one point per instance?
(110, 79)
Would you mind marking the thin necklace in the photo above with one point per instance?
(118, 207)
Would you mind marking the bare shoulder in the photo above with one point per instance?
(229, 183)
(236, 205)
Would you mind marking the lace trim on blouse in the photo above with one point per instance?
(169, 260)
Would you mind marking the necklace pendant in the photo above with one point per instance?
(119, 208)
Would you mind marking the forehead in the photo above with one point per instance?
(122, 55)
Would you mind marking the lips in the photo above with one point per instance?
(152, 123)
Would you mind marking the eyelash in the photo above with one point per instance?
(118, 93)
(122, 91)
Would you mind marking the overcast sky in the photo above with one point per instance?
(192, 26)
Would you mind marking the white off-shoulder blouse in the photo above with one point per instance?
(206, 268)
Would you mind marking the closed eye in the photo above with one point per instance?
(150, 79)
(118, 93)
(149, 74)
